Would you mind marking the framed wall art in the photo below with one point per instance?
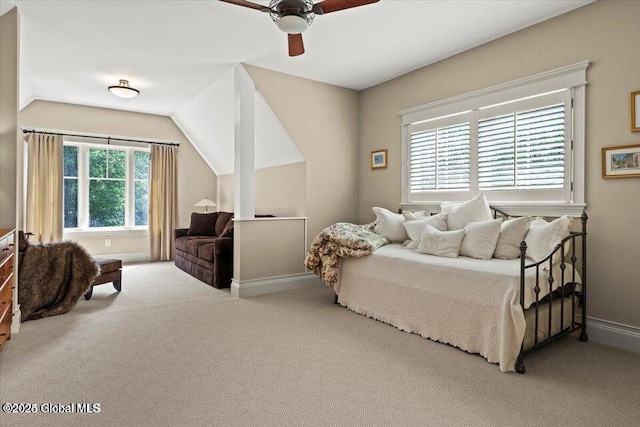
(621, 161)
(635, 111)
(379, 159)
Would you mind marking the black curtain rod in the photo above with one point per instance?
(107, 138)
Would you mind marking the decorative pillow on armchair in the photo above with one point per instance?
(228, 229)
(203, 224)
(222, 223)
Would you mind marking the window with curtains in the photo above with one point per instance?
(518, 150)
(105, 187)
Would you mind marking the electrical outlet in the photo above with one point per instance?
(107, 243)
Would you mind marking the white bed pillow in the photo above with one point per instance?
(415, 228)
(389, 225)
(512, 233)
(440, 243)
(544, 236)
(474, 210)
(480, 239)
(412, 216)
(446, 207)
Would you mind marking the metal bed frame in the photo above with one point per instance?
(560, 293)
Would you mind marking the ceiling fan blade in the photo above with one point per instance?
(296, 45)
(329, 6)
(248, 4)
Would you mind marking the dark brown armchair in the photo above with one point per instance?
(205, 249)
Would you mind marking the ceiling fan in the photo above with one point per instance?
(294, 16)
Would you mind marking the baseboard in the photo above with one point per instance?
(614, 334)
(16, 321)
(127, 257)
(251, 288)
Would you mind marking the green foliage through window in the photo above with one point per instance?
(141, 191)
(70, 187)
(70, 161)
(142, 160)
(70, 213)
(106, 203)
(111, 177)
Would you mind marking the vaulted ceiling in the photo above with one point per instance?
(180, 54)
(173, 50)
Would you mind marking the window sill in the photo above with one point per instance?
(549, 209)
(101, 234)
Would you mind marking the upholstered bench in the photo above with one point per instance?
(110, 272)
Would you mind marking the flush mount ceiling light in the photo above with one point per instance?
(123, 90)
(294, 16)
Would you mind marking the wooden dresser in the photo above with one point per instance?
(6, 284)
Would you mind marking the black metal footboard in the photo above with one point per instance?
(562, 292)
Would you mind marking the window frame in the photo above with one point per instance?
(571, 78)
(83, 229)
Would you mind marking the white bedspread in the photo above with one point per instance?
(469, 303)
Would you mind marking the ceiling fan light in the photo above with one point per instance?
(292, 24)
(123, 90)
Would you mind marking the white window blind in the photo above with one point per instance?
(521, 143)
(502, 150)
(439, 157)
(524, 150)
(422, 163)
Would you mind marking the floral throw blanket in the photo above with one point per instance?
(341, 240)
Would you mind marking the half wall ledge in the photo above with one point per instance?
(269, 255)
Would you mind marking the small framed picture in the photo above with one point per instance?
(621, 162)
(635, 111)
(379, 159)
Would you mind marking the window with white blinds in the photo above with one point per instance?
(517, 150)
(440, 158)
(524, 149)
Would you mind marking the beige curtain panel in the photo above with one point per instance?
(163, 201)
(44, 187)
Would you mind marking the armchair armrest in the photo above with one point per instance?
(223, 246)
(23, 240)
(180, 232)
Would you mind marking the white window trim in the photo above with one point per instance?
(83, 230)
(570, 77)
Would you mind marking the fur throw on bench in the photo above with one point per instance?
(53, 277)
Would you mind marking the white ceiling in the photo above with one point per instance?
(174, 50)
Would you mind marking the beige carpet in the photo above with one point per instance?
(171, 351)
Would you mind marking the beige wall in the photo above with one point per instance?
(255, 244)
(322, 120)
(119, 245)
(9, 87)
(605, 32)
(280, 190)
(195, 179)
